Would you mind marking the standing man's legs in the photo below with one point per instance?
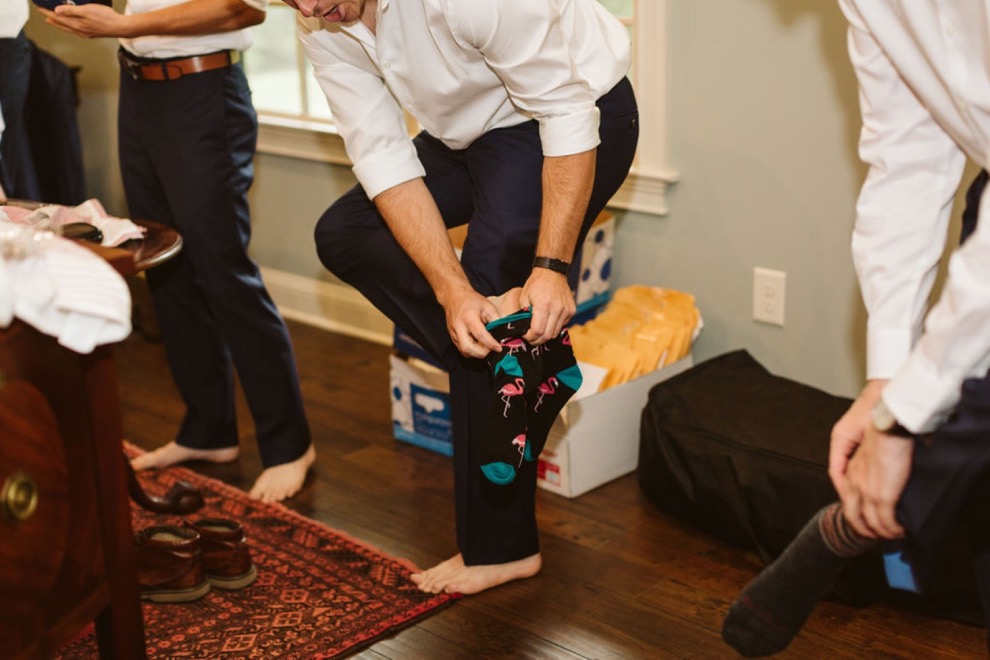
(17, 172)
(186, 153)
(495, 185)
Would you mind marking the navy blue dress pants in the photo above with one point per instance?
(17, 171)
(950, 471)
(493, 186)
(186, 150)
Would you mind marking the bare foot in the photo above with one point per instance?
(452, 576)
(281, 481)
(172, 454)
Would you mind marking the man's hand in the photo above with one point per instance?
(848, 432)
(89, 20)
(869, 469)
(467, 313)
(552, 302)
(875, 479)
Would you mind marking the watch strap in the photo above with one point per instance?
(556, 265)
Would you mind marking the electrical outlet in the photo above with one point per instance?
(769, 288)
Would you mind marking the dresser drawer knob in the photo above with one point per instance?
(19, 496)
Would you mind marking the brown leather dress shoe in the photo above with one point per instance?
(226, 556)
(169, 568)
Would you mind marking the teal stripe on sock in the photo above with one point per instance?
(510, 365)
(571, 377)
(491, 325)
(527, 454)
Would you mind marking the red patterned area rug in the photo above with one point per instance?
(319, 594)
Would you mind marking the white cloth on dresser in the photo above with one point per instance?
(115, 230)
(61, 289)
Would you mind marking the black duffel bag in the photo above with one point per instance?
(743, 455)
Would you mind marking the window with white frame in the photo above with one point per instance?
(295, 120)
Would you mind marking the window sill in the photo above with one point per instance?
(641, 192)
(305, 140)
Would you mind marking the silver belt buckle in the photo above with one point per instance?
(132, 68)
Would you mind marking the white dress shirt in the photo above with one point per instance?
(924, 76)
(463, 68)
(165, 46)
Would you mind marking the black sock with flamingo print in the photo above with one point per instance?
(560, 380)
(515, 372)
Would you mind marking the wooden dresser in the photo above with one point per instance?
(66, 544)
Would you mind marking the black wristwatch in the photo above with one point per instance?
(556, 265)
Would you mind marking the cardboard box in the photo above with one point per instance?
(596, 438)
(421, 404)
(595, 258)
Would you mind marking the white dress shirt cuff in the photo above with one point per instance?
(570, 134)
(378, 172)
(918, 398)
(886, 350)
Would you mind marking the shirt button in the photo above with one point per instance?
(387, 65)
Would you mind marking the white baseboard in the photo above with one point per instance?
(335, 307)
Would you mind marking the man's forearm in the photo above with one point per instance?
(413, 218)
(185, 19)
(567, 183)
(197, 17)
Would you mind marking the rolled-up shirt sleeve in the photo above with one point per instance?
(901, 229)
(365, 113)
(956, 343)
(524, 44)
(904, 206)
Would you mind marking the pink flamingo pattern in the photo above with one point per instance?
(549, 386)
(514, 344)
(519, 442)
(510, 390)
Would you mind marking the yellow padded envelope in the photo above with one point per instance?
(642, 329)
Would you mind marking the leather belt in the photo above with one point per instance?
(143, 68)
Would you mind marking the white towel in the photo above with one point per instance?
(62, 289)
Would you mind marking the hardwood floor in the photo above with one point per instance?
(621, 579)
